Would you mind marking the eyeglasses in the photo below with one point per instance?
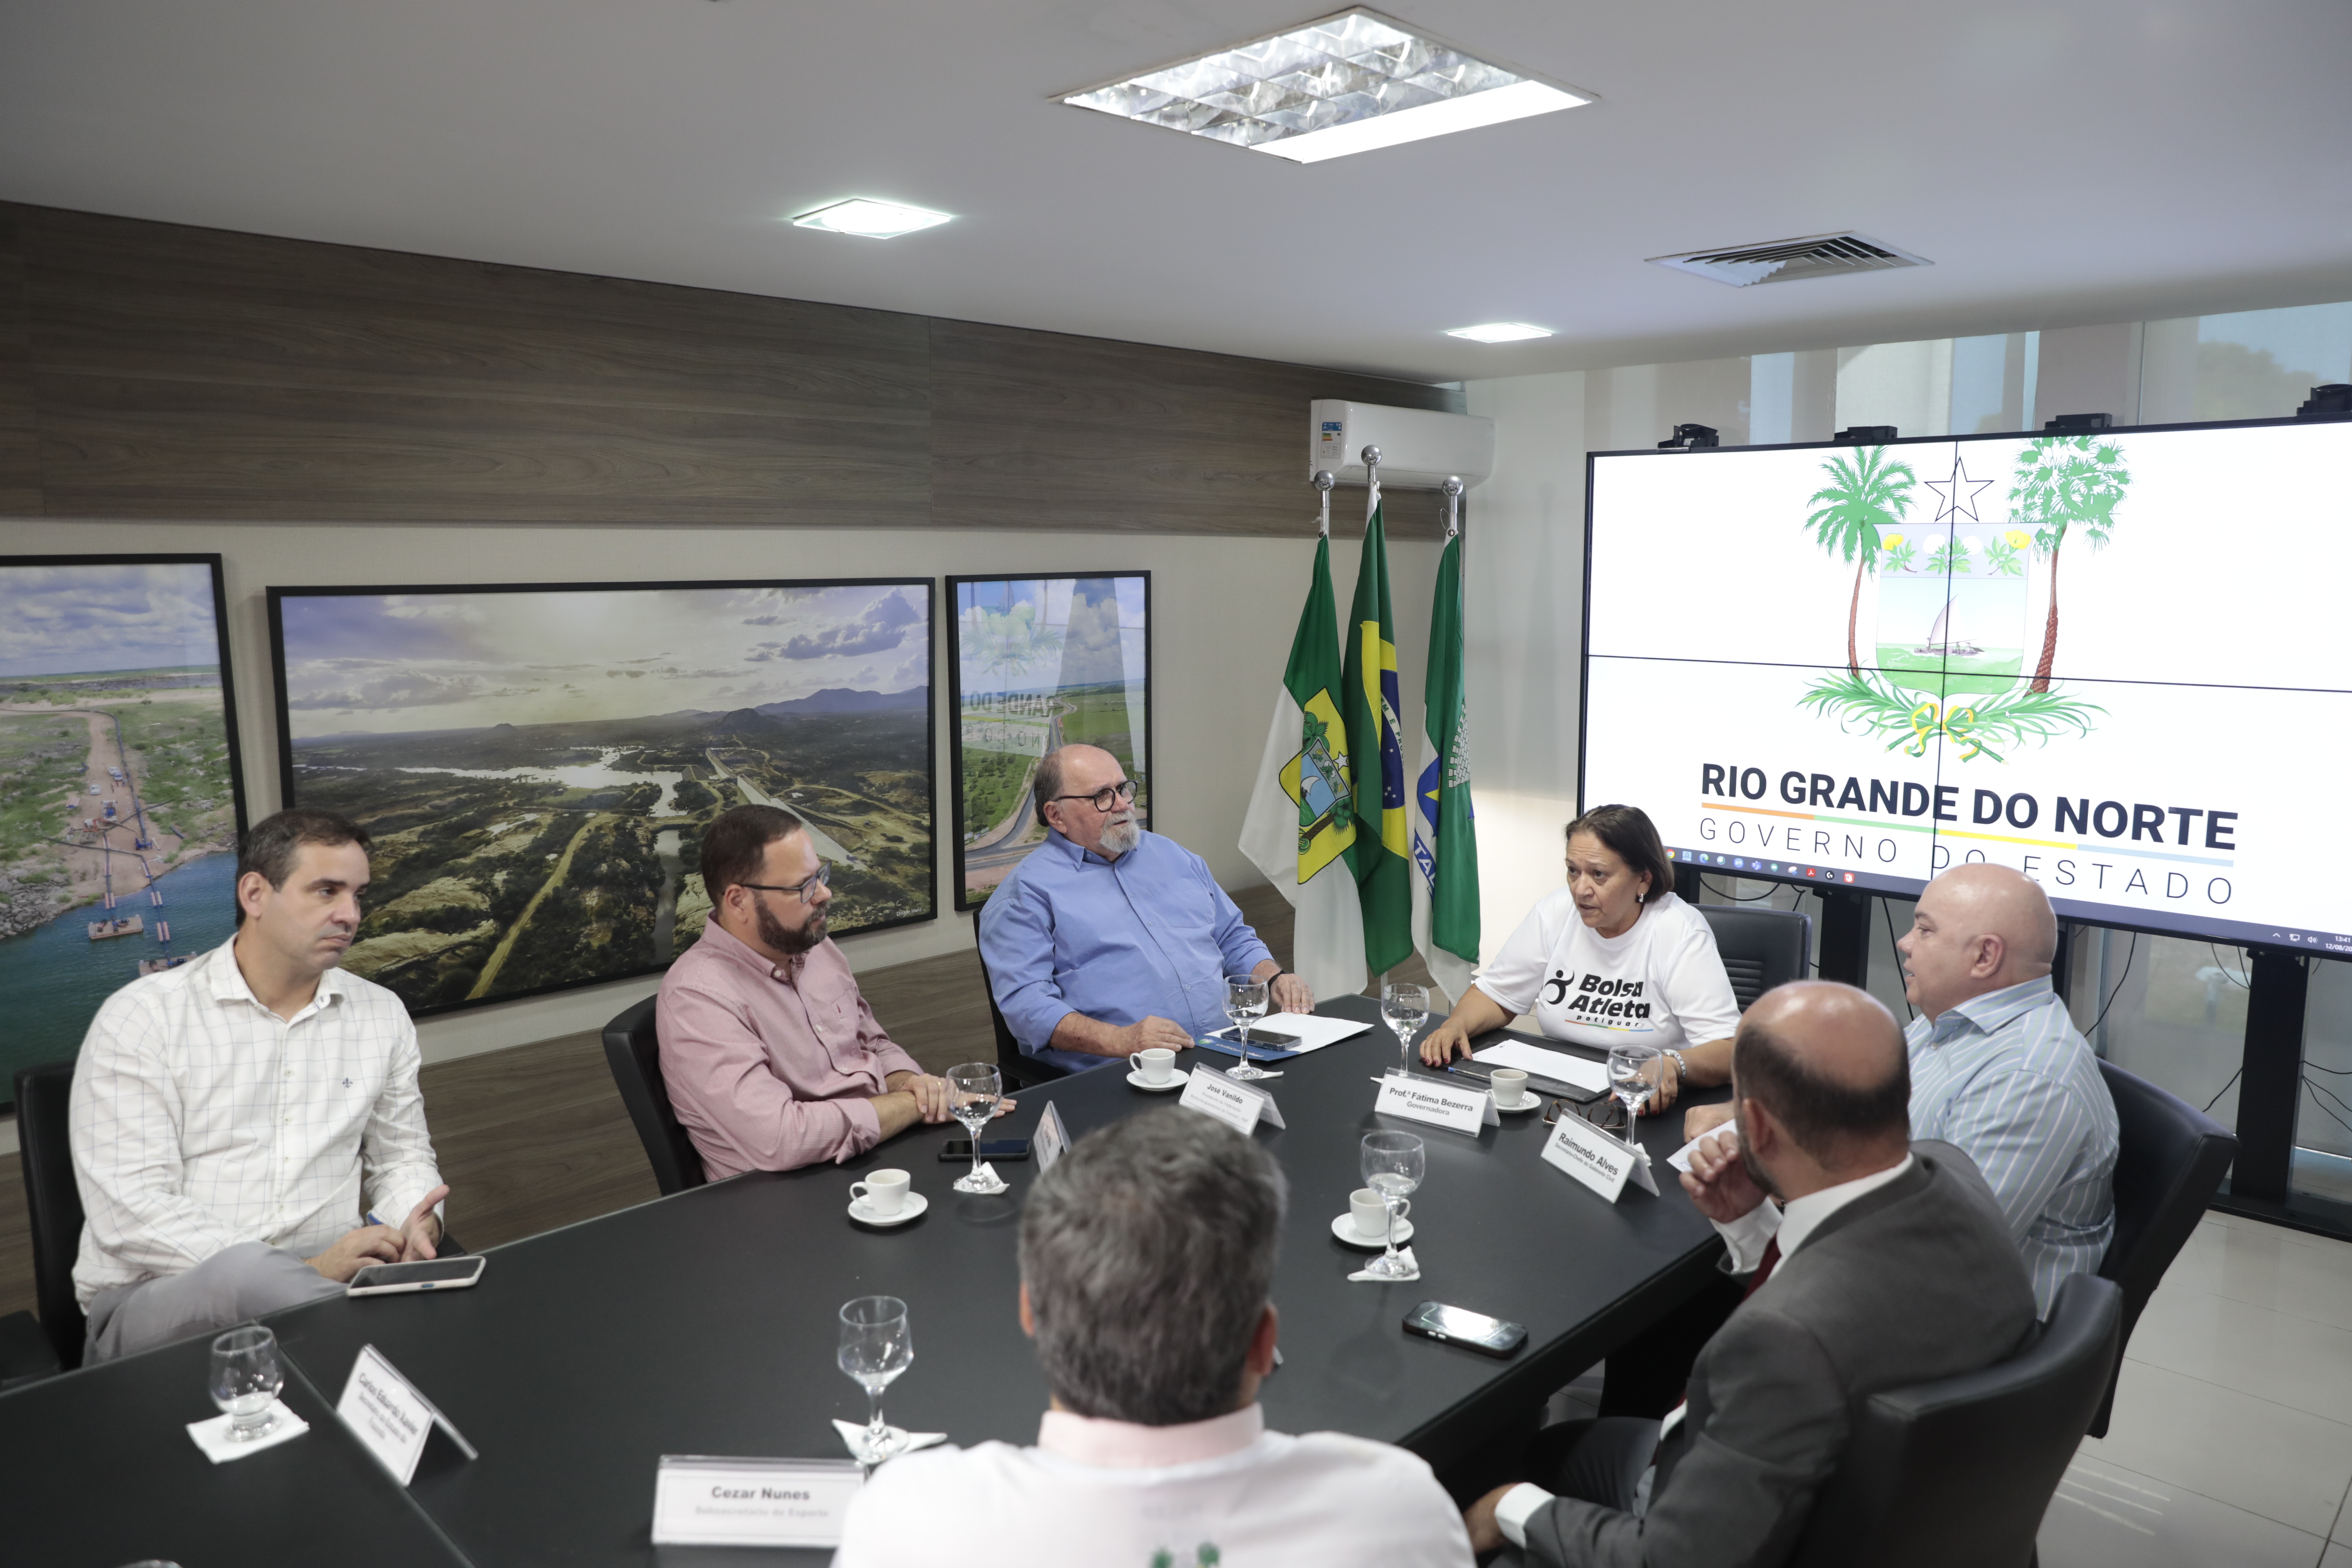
(824, 876)
(1607, 1113)
(1110, 797)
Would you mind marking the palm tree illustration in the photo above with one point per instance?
(2065, 483)
(1862, 496)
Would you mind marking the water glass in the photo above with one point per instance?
(1406, 1008)
(875, 1347)
(1633, 1075)
(1392, 1164)
(974, 1091)
(1245, 1003)
(246, 1381)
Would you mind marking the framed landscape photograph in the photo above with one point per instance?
(121, 800)
(1037, 663)
(536, 764)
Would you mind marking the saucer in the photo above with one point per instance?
(1344, 1229)
(1135, 1076)
(911, 1209)
(1522, 1108)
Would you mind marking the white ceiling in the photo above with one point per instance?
(2061, 162)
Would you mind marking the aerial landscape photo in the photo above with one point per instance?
(1041, 662)
(118, 804)
(536, 766)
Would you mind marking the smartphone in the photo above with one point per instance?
(426, 1274)
(1260, 1039)
(990, 1149)
(1471, 1330)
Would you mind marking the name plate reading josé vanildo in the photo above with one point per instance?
(1599, 1161)
(1463, 1108)
(1239, 1106)
(701, 1502)
(390, 1417)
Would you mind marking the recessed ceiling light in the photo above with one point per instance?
(1499, 333)
(875, 220)
(1345, 84)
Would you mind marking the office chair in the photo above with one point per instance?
(2170, 1160)
(1959, 1472)
(634, 1052)
(1761, 948)
(1017, 1067)
(52, 1206)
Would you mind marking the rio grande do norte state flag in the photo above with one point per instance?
(1444, 838)
(1383, 845)
(1302, 813)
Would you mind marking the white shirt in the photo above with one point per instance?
(201, 1119)
(1660, 982)
(1099, 1492)
(1747, 1237)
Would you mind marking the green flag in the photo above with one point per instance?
(1444, 838)
(1381, 854)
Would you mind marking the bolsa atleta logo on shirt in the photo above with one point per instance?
(1600, 1001)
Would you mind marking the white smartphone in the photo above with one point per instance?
(425, 1274)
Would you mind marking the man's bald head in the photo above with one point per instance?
(1977, 929)
(1828, 1062)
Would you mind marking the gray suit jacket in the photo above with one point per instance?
(1914, 1281)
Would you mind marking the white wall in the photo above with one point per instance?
(1223, 609)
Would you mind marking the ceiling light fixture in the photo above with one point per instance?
(873, 220)
(1346, 83)
(1499, 333)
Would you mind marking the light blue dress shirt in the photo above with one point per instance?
(1149, 935)
(2007, 1079)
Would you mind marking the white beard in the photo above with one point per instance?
(1120, 837)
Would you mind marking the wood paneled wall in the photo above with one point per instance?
(152, 371)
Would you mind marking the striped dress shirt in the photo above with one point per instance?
(200, 1119)
(2007, 1079)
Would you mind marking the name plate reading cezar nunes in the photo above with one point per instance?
(703, 1501)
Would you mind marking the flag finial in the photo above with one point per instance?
(1453, 486)
(1325, 481)
(1371, 456)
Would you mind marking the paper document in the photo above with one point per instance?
(1680, 1158)
(1558, 1065)
(1314, 1032)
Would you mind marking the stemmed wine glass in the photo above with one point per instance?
(875, 1347)
(1392, 1166)
(246, 1381)
(1406, 1007)
(1245, 1003)
(1633, 1073)
(974, 1091)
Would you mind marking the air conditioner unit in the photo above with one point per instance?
(1420, 450)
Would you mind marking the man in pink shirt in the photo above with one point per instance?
(773, 1058)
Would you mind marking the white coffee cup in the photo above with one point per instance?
(883, 1192)
(1159, 1064)
(1510, 1086)
(1372, 1215)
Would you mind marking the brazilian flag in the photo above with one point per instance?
(1381, 855)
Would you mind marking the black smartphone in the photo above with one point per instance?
(1471, 1330)
(1259, 1039)
(990, 1149)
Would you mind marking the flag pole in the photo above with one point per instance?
(1372, 482)
(1325, 481)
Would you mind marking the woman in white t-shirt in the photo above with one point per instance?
(1615, 958)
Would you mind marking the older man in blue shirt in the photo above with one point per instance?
(1109, 939)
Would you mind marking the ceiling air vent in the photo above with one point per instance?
(1786, 260)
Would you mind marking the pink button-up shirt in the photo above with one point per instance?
(771, 1067)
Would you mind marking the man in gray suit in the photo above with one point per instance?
(1898, 1270)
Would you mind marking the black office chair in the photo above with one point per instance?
(1960, 1471)
(634, 1052)
(1761, 948)
(52, 1206)
(2169, 1162)
(1017, 1067)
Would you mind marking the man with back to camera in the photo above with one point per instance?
(1147, 1258)
(771, 1057)
(1999, 1068)
(236, 1121)
(1109, 939)
(1890, 1265)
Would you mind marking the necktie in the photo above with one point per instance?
(1764, 1267)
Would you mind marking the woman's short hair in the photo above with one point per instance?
(1633, 837)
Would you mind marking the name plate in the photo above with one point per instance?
(390, 1417)
(1598, 1159)
(701, 1502)
(1051, 1140)
(1426, 1100)
(1240, 1106)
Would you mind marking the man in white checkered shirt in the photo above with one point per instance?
(237, 1120)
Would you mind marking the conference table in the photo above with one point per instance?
(705, 1324)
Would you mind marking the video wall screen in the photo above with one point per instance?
(2114, 661)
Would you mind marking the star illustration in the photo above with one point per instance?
(1956, 495)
